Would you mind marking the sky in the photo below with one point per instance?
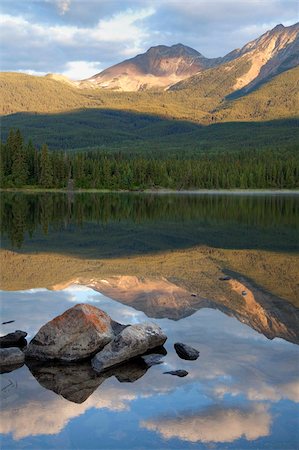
(78, 38)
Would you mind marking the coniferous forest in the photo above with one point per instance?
(23, 164)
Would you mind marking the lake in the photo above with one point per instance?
(216, 271)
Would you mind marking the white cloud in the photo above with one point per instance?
(215, 425)
(77, 70)
(36, 73)
(33, 419)
(63, 6)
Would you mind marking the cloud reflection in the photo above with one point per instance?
(215, 425)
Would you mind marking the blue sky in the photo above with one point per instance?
(79, 38)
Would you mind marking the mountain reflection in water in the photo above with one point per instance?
(242, 391)
(250, 304)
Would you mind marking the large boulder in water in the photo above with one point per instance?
(78, 333)
(133, 341)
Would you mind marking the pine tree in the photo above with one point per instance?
(46, 170)
(19, 168)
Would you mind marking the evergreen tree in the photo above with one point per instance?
(46, 170)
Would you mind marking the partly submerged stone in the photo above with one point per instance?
(12, 356)
(185, 351)
(15, 339)
(76, 334)
(133, 341)
(179, 373)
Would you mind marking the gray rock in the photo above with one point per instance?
(152, 359)
(185, 351)
(78, 333)
(178, 373)
(15, 339)
(132, 341)
(11, 356)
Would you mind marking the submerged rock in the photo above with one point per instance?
(15, 339)
(178, 373)
(152, 359)
(132, 341)
(185, 351)
(12, 356)
(76, 334)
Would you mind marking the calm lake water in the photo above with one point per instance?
(242, 392)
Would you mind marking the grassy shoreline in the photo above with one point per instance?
(155, 191)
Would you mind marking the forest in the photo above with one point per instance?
(25, 165)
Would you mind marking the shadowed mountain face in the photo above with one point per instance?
(267, 314)
(160, 66)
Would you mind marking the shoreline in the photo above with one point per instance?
(159, 191)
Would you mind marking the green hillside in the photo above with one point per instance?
(276, 99)
(202, 98)
(111, 130)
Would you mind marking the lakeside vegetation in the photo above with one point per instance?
(24, 164)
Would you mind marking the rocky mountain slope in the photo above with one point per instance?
(244, 69)
(160, 66)
(163, 67)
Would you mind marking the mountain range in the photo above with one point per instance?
(164, 94)
(162, 67)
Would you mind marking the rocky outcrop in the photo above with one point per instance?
(186, 352)
(76, 334)
(11, 357)
(15, 339)
(133, 341)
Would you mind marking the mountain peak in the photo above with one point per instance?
(160, 66)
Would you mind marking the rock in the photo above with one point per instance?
(11, 356)
(129, 372)
(10, 368)
(153, 359)
(178, 373)
(78, 333)
(77, 381)
(16, 339)
(225, 278)
(132, 341)
(73, 381)
(185, 351)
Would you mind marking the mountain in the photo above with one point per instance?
(160, 66)
(244, 69)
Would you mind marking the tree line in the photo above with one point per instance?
(25, 165)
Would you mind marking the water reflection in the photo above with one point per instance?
(107, 225)
(239, 298)
(215, 424)
(242, 391)
(76, 382)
